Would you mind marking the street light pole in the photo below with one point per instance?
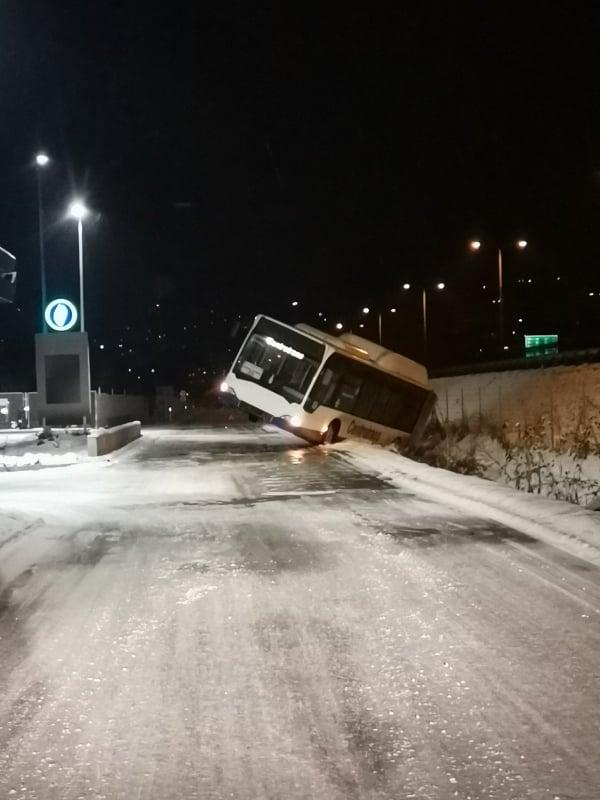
(500, 300)
(440, 286)
(78, 211)
(81, 304)
(41, 161)
(521, 244)
(424, 300)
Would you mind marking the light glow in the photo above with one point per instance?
(295, 421)
(406, 286)
(78, 210)
(339, 326)
(522, 244)
(224, 387)
(440, 285)
(42, 159)
(366, 310)
(475, 244)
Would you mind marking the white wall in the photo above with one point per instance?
(565, 398)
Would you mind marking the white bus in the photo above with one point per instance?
(324, 388)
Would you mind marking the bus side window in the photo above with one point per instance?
(408, 408)
(381, 400)
(322, 388)
(347, 392)
(366, 398)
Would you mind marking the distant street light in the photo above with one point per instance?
(406, 286)
(42, 160)
(366, 310)
(521, 244)
(440, 286)
(294, 302)
(78, 211)
(339, 326)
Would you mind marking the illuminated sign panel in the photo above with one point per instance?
(541, 344)
(541, 340)
(284, 348)
(60, 315)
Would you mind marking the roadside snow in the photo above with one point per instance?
(21, 450)
(561, 524)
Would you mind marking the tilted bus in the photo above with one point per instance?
(324, 388)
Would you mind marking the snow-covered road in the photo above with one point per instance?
(230, 614)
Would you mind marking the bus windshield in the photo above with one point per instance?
(280, 359)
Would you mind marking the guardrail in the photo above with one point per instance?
(106, 440)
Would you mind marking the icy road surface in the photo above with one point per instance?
(233, 615)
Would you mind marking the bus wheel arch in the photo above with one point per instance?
(331, 435)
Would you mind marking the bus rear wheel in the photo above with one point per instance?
(331, 434)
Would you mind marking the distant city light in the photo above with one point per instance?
(441, 285)
(522, 244)
(505, 347)
(366, 310)
(42, 159)
(529, 280)
(361, 325)
(295, 303)
(101, 347)
(152, 370)
(475, 244)
(520, 319)
(339, 326)
(591, 294)
(393, 310)
(406, 285)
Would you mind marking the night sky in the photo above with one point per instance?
(239, 156)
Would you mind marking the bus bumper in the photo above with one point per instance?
(309, 435)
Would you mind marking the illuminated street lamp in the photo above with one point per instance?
(520, 244)
(78, 211)
(41, 160)
(367, 310)
(439, 286)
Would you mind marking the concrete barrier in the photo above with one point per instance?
(109, 439)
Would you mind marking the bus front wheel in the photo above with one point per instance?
(331, 434)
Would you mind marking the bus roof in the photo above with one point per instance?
(374, 354)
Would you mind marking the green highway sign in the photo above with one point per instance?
(541, 343)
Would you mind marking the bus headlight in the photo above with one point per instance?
(224, 387)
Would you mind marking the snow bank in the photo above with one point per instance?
(29, 460)
(561, 524)
(20, 450)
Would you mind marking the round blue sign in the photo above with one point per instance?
(60, 315)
